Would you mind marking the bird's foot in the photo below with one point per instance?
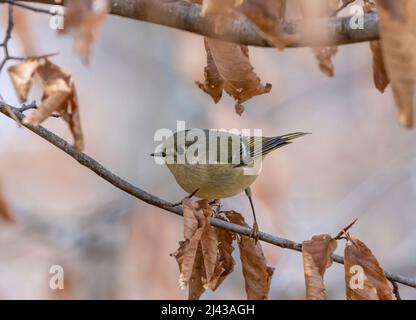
(255, 232)
(216, 206)
(177, 204)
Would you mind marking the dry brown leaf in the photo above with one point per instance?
(197, 272)
(54, 101)
(59, 95)
(317, 257)
(324, 56)
(364, 278)
(84, 17)
(209, 245)
(398, 42)
(54, 82)
(319, 9)
(192, 214)
(73, 118)
(225, 262)
(381, 79)
(214, 83)
(196, 281)
(229, 68)
(257, 275)
(197, 256)
(21, 75)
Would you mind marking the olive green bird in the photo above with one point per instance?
(218, 164)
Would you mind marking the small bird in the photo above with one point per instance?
(213, 164)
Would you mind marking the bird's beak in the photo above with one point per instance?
(158, 154)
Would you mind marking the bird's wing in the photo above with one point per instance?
(261, 146)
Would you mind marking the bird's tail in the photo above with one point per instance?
(266, 145)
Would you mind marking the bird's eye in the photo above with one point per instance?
(180, 151)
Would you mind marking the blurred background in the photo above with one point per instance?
(358, 163)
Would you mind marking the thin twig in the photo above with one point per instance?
(33, 105)
(138, 193)
(36, 57)
(7, 37)
(343, 232)
(29, 7)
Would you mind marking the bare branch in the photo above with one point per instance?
(28, 7)
(187, 16)
(138, 193)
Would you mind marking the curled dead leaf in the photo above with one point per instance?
(197, 256)
(317, 257)
(228, 68)
(214, 83)
(380, 77)
(364, 277)
(54, 101)
(225, 263)
(398, 43)
(324, 57)
(21, 75)
(257, 275)
(59, 94)
(319, 9)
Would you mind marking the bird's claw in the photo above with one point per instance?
(217, 209)
(255, 232)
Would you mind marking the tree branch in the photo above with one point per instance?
(183, 15)
(138, 193)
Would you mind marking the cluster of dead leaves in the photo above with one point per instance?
(205, 256)
(228, 66)
(82, 18)
(59, 94)
(364, 278)
(205, 259)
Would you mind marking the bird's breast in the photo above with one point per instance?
(214, 181)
